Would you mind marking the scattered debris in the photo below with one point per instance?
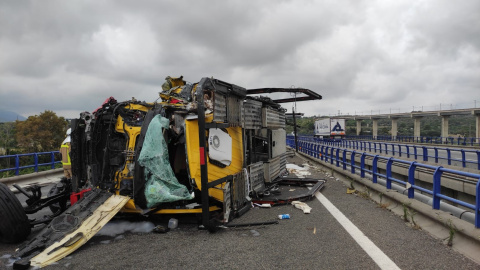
(255, 233)
(302, 206)
(160, 229)
(173, 223)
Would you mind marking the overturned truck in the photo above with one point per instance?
(208, 148)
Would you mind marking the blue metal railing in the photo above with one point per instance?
(467, 141)
(419, 152)
(36, 163)
(333, 154)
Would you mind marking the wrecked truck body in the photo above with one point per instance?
(207, 148)
(209, 136)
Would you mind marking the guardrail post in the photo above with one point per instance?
(436, 187)
(436, 154)
(17, 165)
(449, 157)
(370, 146)
(375, 147)
(408, 151)
(464, 164)
(374, 169)
(337, 158)
(411, 179)
(344, 159)
(331, 155)
(389, 173)
(425, 153)
(477, 206)
(415, 152)
(478, 159)
(399, 150)
(386, 149)
(362, 165)
(352, 162)
(35, 160)
(380, 146)
(326, 153)
(322, 153)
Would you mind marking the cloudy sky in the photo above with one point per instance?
(361, 56)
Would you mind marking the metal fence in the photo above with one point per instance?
(24, 163)
(464, 157)
(337, 156)
(467, 141)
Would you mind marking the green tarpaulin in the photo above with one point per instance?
(162, 185)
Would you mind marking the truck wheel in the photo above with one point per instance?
(14, 224)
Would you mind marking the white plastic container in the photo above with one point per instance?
(173, 223)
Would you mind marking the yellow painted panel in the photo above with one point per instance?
(214, 172)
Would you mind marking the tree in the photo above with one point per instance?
(7, 138)
(44, 132)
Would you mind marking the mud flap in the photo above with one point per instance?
(70, 230)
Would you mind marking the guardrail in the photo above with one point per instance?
(468, 141)
(464, 156)
(36, 164)
(338, 157)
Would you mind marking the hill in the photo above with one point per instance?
(7, 116)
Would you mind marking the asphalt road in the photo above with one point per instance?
(305, 241)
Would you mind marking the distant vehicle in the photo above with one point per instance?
(330, 128)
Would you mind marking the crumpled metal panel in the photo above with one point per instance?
(273, 118)
(257, 183)
(234, 110)
(252, 114)
(240, 190)
(228, 110)
(220, 108)
(275, 167)
(66, 224)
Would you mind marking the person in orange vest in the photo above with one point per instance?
(65, 152)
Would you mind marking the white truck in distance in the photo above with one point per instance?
(333, 128)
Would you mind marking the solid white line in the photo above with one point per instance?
(382, 260)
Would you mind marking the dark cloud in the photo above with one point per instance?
(359, 55)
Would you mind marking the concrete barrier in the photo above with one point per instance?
(41, 178)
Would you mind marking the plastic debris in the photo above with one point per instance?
(255, 233)
(350, 190)
(284, 216)
(263, 205)
(302, 206)
(173, 223)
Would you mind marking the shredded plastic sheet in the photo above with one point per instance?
(162, 185)
(302, 206)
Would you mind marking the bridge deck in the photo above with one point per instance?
(315, 241)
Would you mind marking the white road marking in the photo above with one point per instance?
(382, 260)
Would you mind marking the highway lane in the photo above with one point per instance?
(305, 241)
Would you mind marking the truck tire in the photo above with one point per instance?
(14, 224)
